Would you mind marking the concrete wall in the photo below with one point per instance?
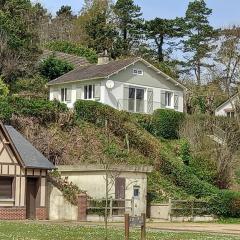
(58, 207)
(112, 97)
(160, 211)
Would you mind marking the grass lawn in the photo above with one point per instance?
(27, 231)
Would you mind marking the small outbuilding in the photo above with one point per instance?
(23, 171)
(127, 191)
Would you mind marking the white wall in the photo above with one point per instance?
(220, 111)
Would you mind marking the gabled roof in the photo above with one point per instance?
(95, 71)
(76, 61)
(227, 101)
(28, 155)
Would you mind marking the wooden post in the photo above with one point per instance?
(143, 227)
(111, 208)
(126, 217)
(170, 210)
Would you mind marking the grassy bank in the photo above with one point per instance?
(31, 231)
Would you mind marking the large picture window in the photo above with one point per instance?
(6, 190)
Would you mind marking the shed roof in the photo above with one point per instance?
(29, 155)
(100, 168)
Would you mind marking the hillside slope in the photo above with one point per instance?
(96, 133)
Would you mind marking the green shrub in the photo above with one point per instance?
(4, 90)
(33, 85)
(44, 110)
(225, 203)
(166, 123)
(185, 152)
(145, 121)
(53, 68)
(73, 48)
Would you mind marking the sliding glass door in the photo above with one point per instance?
(136, 99)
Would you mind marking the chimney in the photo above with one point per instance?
(103, 58)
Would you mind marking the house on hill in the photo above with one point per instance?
(132, 85)
(23, 171)
(228, 108)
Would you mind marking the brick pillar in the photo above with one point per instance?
(82, 207)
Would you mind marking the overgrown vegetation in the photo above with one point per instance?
(53, 68)
(72, 48)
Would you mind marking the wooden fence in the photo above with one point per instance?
(188, 208)
(115, 207)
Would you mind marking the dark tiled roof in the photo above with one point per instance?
(76, 61)
(30, 156)
(93, 71)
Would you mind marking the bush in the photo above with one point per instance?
(225, 203)
(31, 86)
(53, 68)
(4, 90)
(44, 110)
(166, 123)
(73, 48)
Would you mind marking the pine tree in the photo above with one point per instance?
(200, 37)
(129, 24)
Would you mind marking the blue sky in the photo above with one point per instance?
(225, 12)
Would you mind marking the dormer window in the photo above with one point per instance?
(137, 72)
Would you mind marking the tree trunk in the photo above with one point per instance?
(160, 49)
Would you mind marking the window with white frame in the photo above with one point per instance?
(168, 99)
(231, 114)
(89, 91)
(66, 94)
(138, 71)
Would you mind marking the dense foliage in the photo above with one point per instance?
(44, 110)
(53, 67)
(121, 123)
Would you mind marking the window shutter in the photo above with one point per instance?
(125, 101)
(68, 94)
(97, 91)
(79, 92)
(55, 94)
(150, 100)
(176, 101)
(163, 99)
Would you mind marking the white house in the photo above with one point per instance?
(132, 85)
(228, 108)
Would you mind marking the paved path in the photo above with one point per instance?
(165, 226)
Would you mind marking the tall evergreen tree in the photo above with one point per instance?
(94, 27)
(163, 32)
(19, 39)
(129, 22)
(200, 36)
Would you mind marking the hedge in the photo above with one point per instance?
(167, 123)
(121, 123)
(163, 123)
(44, 110)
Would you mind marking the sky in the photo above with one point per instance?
(225, 12)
